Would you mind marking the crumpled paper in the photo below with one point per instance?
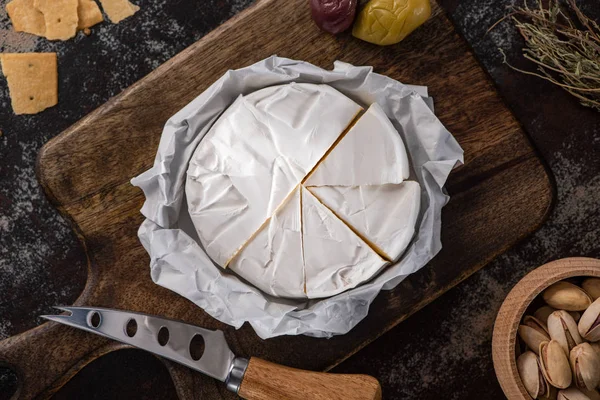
(178, 261)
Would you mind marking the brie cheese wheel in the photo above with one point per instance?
(273, 261)
(298, 196)
(335, 259)
(383, 215)
(254, 156)
(371, 153)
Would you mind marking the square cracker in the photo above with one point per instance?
(89, 14)
(32, 81)
(26, 18)
(60, 17)
(118, 10)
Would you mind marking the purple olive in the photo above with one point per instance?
(333, 16)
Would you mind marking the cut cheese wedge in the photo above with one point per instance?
(371, 153)
(272, 260)
(335, 258)
(383, 215)
(254, 156)
(305, 251)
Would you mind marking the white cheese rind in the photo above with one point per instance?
(385, 215)
(255, 154)
(272, 260)
(335, 258)
(371, 153)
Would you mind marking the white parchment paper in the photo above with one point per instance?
(177, 260)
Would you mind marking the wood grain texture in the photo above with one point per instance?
(264, 380)
(502, 193)
(513, 308)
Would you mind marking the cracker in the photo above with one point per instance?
(60, 17)
(32, 81)
(118, 10)
(26, 18)
(89, 14)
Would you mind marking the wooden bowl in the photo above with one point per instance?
(513, 308)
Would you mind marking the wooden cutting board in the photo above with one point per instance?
(502, 193)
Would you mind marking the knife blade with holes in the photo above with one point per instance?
(207, 351)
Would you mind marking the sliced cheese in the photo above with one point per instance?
(272, 260)
(253, 157)
(383, 215)
(371, 153)
(335, 258)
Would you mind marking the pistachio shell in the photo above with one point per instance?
(555, 364)
(596, 346)
(566, 296)
(589, 324)
(572, 394)
(532, 337)
(592, 394)
(531, 375)
(542, 313)
(535, 323)
(585, 364)
(592, 287)
(563, 329)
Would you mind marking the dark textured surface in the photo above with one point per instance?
(441, 352)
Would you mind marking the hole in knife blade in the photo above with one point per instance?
(131, 328)
(196, 347)
(94, 319)
(163, 336)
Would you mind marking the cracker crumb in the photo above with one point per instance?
(118, 10)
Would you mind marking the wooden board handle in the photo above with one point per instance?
(267, 381)
(46, 357)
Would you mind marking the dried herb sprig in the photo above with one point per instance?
(565, 45)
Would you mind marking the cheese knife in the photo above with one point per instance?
(207, 351)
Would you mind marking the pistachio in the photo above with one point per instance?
(592, 287)
(535, 323)
(596, 346)
(589, 324)
(531, 375)
(572, 394)
(555, 364)
(563, 329)
(592, 394)
(566, 296)
(533, 337)
(542, 313)
(585, 364)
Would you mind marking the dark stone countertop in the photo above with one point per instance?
(444, 351)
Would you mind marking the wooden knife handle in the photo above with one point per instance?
(267, 381)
